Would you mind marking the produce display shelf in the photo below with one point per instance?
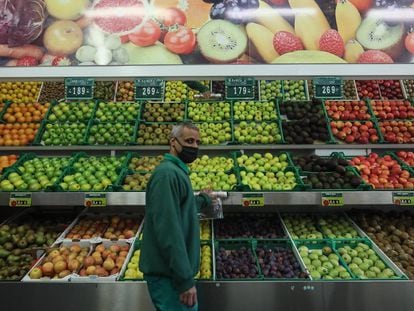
(274, 199)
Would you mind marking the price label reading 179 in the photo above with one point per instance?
(149, 89)
(240, 88)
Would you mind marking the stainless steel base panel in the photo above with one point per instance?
(214, 296)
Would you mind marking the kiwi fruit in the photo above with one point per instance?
(375, 34)
(221, 41)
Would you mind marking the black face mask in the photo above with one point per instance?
(187, 154)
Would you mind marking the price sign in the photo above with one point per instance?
(95, 200)
(149, 89)
(332, 199)
(240, 88)
(253, 200)
(328, 87)
(403, 198)
(20, 200)
(79, 88)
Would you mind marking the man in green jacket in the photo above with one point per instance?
(170, 253)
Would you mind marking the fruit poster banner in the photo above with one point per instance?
(137, 32)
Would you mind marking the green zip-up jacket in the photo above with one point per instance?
(171, 239)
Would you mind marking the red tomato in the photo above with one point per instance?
(409, 42)
(182, 41)
(147, 35)
(172, 16)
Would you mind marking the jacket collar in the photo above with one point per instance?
(177, 161)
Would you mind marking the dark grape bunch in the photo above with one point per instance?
(235, 11)
(328, 8)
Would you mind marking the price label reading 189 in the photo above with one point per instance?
(79, 88)
(240, 88)
(149, 89)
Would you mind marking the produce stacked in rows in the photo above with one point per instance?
(192, 32)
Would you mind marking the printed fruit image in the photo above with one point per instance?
(111, 133)
(211, 164)
(163, 112)
(60, 262)
(132, 271)
(348, 19)
(145, 163)
(254, 111)
(374, 57)
(392, 233)
(210, 112)
(278, 262)
(407, 157)
(391, 89)
(237, 262)
(400, 132)
(347, 110)
(213, 180)
(362, 5)
(383, 172)
(355, 132)
(261, 39)
(136, 182)
(35, 174)
(63, 9)
(257, 133)
(332, 42)
(340, 179)
(337, 227)
(18, 134)
(153, 133)
(64, 134)
(280, 181)
(263, 162)
(117, 111)
(302, 227)
(323, 263)
(215, 133)
(392, 109)
(147, 35)
(363, 262)
(242, 226)
(92, 174)
(118, 21)
(63, 37)
(235, 11)
(71, 112)
(376, 34)
(220, 41)
(294, 90)
(106, 260)
(285, 42)
(25, 112)
(305, 122)
(309, 56)
(353, 50)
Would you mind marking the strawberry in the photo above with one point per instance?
(331, 42)
(61, 61)
(285, 42)
(27, 61)
(277, 2)
(374, 57)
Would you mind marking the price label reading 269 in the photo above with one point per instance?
(149, 89)
(329, 89)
